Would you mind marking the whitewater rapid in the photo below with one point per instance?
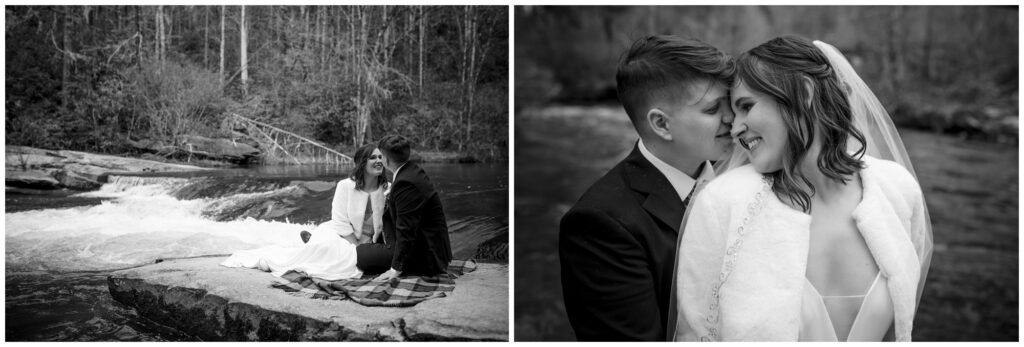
(142, 221)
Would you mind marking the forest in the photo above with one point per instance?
(950, 69)
(109, 79)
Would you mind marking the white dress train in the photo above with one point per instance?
(327, 255)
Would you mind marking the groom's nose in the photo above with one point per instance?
(728, 116)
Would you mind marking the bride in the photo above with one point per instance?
(823, 235)
(330, 251)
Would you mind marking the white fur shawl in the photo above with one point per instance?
(348, 209)
(745, 284)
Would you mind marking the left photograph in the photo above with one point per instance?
(256, 173)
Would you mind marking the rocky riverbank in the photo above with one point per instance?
(34, 168)
(215, 303)
(43, 169)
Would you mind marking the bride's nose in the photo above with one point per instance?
(738, 127)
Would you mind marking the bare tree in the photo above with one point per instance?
(65, 57)
(222, 27)
(138, 29)
(423, 20)
(159, 34)
(243, 60)
(206, 36)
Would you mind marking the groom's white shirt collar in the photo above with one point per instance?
(399, 169)
(680, 181)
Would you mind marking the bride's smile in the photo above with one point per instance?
(759, 128)
(750, 143)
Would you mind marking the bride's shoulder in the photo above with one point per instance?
(888, 172)
(893, 178)
(347, 183)
(735, 183)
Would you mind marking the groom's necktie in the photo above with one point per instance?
(686, 202)
(689, 197)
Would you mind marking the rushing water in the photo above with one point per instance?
(60, 247)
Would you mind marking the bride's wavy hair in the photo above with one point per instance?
(796, 74)
(361, 157)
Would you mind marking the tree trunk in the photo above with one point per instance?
(410, 21)
(138, 29)
(206, 36)
(168, 18)
(350, 62)
(305, 27)
(471, 83)
(468, 28)
(363, 104)
(387, 40)
(160, 34)
(65, 72)
(244, 56)
(423, 19)
(317, 39)
(222, 26)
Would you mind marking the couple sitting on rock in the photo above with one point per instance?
(376, 227)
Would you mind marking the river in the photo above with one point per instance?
(61, 246)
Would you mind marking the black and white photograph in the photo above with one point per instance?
(257, 173)
(766, 173)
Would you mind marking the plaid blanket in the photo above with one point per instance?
(398, 292)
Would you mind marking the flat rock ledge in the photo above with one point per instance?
(35, 168)
(214, 303)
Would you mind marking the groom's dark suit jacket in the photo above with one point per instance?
(414, 224)
(617, 248)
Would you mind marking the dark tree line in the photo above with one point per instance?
(942, 67)
(100, 77)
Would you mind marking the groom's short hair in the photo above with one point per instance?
(662, 67)
(396, 147)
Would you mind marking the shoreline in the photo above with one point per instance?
(46, 169)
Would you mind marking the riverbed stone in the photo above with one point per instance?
(72, 169)
(216, 303)
(218, 149)
(34, 179)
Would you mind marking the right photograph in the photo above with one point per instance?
(766, 173)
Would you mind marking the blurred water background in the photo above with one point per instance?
(948, 75)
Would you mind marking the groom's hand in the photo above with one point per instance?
(391, 273)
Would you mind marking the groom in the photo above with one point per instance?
(415, 232)
(617, 245)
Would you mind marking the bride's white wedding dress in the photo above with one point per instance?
(326, 255)
(872, 314)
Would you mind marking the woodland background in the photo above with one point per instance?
(101, 78)
(950, 69)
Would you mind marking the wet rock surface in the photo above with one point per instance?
(215, 303)
(35, 168)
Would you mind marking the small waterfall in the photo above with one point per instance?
(118, 186)
(145, 218)
(272, 205)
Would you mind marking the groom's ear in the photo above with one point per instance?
(657, 121)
